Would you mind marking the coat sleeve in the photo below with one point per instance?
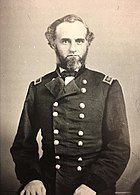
(25, 148)
(115, 150)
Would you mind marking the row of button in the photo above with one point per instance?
(81, 105)
(57, 166)
(81, 115)
(56, 132)
(79, 159)
(56, 142)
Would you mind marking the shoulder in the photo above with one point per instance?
(44, 79)
(108, 79)
(37, 81)
(108, 84)
(101, 77)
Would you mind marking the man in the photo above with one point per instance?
(81, 114)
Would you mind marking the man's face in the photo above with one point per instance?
(71, 45)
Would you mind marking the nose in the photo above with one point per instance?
(72, 47)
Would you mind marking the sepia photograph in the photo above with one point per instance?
(69, 97)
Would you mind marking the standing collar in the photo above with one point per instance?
(62, 69)
(59, 70)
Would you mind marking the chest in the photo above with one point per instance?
(76, 100)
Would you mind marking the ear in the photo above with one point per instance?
(53, 45)
(88, 43)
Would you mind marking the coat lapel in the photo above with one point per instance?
(69, 89)
(58, 89)
(55, 86)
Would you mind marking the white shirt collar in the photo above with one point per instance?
(62, 69)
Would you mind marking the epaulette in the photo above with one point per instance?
(38, 81)
(107, 79)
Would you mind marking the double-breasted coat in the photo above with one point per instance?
(84, 131)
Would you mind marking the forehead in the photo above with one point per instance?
(71, 30)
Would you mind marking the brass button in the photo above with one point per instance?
(80, 159)
(82, 105)
(79, 168)
(80, 143)
(57, 166)
(84, 81)
(56, 142)
(55, 113)
(80, 133)
(81, 116)
(83, 90)
(56, 131)
(57, 157)
(55, 104)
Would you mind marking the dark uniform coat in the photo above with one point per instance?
(84, 130)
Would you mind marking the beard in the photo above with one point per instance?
(71, 62)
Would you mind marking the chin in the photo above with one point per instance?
(73, 66)
(73, 63)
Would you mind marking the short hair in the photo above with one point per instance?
(51, 30)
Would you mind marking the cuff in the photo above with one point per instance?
(24, 179)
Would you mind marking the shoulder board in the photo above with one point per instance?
(107, 79)
(38, 81)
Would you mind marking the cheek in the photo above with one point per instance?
(83, 49)
(63, 49)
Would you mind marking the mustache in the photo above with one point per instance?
(72, 55)
(76, 57)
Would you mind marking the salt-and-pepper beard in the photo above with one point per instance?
(71, 63)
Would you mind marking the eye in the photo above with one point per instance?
(80, 41)
(65, 41)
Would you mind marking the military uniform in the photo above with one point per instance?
(84, 130)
